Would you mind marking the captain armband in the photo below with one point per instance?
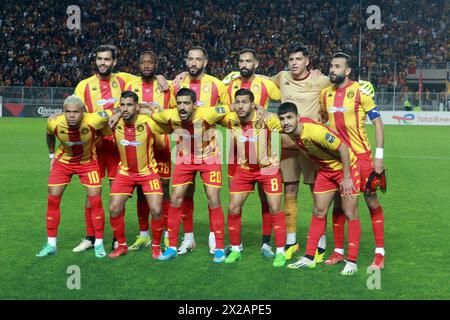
(374, 113)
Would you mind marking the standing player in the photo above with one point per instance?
(346, 109)
(102, 92)
(258, 163)
(147, 89)
(198, 151)
(135, 136)
(76, 154)
(263, 90)
(338, 170)
(210, 92)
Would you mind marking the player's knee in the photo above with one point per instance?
(320, 211)
(274, 209)
(234, 208)
(372, 201)
(156, 213)
(114, 210)
(214, 201)
(291, 187)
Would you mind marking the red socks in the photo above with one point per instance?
(53, 215)
(316, 230)
(157, 230)
(143, 212)
(217, 226)
(266, 219)
(97, 216)
(90, 231)
(188, 214)
(118, 227)
(173, 225)
(279, 229)
(354, 236)
(378, 226)
(234, 228)
(165, 211)
(338, 228)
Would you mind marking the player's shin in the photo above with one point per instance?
(316, 230)
(118, 227)
(234, 229)
(266, 222)
(188, 214)
(173, 225)
(157, 230)
(53, 217)
(143, 214)
(90, 230)
(290, 212)
(217, 226)
(377, 217)
(98, 218)
(338, 230)
(354, 237)
(279, 226)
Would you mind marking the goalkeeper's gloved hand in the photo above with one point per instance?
(376, 181)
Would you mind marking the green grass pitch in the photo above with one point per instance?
(416, 210)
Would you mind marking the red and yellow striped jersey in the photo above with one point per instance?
(210, 91)
(99, 95)
(150, 93)
(77, 146)
(254, 142)
(321, 144)
(347, 108)
(196, 139)
(263, 89)
(135, 144)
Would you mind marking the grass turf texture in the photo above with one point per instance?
(416, 215)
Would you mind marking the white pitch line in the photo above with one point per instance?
(418, 157)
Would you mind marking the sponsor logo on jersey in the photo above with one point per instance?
(330, 138)
(103, 102)
(248, 139)
(73, 143)
(130, 143)
(337, 109)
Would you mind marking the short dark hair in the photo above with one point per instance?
(107, 47)
(129, 94)
(150, 52)
(201, 49)
(249, 50)
(187, 92)
(286, 107)
(294, 48)
(347, 57)
(245, 92)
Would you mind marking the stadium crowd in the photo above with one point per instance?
(37, 48)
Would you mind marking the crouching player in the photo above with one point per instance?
(135, 135)
(76, 131)
(338, 171)
(257, 164)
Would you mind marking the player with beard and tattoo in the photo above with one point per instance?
(102, 92)
(210, 92)
(147, 89)
(263, 90)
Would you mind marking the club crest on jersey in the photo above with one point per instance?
(103, 102)
(84, 131)
(308, 85)
(330, 138)
(255, 88)
(127, 143)
(337, 109)
(206, 89)
(114, 84)
(140, 128)
(350, 95)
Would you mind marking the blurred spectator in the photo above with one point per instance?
(37, 49)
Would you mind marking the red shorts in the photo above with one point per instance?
(211, 174)
(108, 158)
(365, 164)
(328, 181)
(244, 181)
(161, 149)
(232, 169)
(124, 185)
(61, 174)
